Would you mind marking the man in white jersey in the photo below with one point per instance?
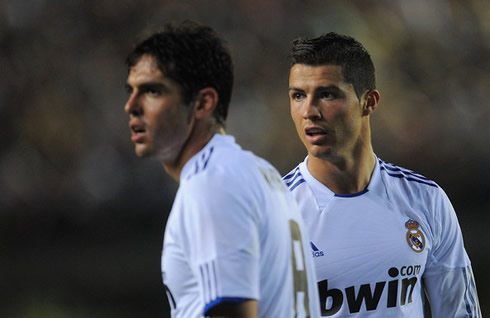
(381, 235)
(234, 242)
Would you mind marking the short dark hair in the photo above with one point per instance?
(195, 57)
(336, 49)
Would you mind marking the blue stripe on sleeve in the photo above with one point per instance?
(467, 302)
(397, 172)
(207, 159)
(470, 298)
(291, 174)
(402, 176)
(293, 179)
(300, 181)
(393, 167)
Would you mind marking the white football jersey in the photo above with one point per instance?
(235, 233)
(376, 251)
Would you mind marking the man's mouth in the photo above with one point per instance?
(137, 132)
(316, 135)
(315, 131)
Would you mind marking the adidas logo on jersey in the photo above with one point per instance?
(315, 251)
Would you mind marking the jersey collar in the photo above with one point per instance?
(199, 160)
(324, 194)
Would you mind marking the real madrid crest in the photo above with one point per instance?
(415, 237)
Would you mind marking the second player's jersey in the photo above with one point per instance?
(375, 251)
(235, 233)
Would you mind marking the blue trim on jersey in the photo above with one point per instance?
(397, 172)
(294, 182)
(314, 247)
(466, 300)
(473, 294)
(207, 159)
(300, 181)
(291, 174)
(196, 169)
(402, 176)
(351, 195)
(296, 176)
(222, 300)
(398, 169)
(469, 298)
(202, 162)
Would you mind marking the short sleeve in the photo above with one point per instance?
(222, 237)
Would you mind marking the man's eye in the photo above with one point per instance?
(328, 95)
(152, 92)
(297, 96)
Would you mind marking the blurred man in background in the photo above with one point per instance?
(233, 243)
(381, 235)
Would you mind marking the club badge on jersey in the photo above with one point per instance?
(415, 237)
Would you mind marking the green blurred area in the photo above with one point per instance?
(82, 219)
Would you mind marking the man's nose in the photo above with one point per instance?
(311, 109)
(132, 105)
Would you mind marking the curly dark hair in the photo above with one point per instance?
(195, 57)
(336, 49)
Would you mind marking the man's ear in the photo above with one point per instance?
(371, 101)
(206, 102)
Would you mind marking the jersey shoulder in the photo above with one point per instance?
(408, 184)
(396, 175)
(221, 160)
(225, 175)
(407, 188)
(294, 179)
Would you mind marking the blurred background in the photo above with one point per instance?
(82, 218)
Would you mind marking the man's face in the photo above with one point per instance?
(325, 110)
(159, 121)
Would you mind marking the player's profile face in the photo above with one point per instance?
(159, 121)
(325, 110)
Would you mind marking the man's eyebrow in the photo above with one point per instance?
(148, 85)
(152, 85)
(319, 88)
(329, 87)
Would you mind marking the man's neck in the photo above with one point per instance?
(346, 174)
(198, 139)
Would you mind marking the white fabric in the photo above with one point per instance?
(376, 251)
(228, 236)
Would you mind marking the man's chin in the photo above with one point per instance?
(143, 152)
(327, 154)
(320, 151)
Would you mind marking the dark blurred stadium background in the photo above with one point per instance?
(82, 219)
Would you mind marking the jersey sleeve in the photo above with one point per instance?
(448, 279)
(222, 239)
